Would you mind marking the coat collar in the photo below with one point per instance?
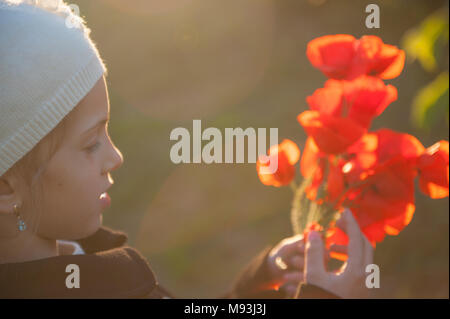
(107, 270)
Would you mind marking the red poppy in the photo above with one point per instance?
(333, 236)
(314, 226)
(376, 148)
(332, 54)
(382, 60)
(370, 173)
(380, 177)
(331, 134)
(361, 99)
(379, 174)
(343, 110)
(384, 201)
(336, 236)
(285, 156)
(335, 182)
(342, 56)
(312, 165)
(317, 166)
(433, 170)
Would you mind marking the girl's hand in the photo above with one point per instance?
(349, 281)
(285, 263)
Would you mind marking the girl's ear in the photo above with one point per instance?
(8, 195)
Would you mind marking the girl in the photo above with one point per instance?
(56, 160)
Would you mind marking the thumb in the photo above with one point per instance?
(314, 263)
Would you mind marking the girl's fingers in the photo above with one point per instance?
(314, 255)
(290, 290)
(368, 252)
(293, 277)
(356, 241)
(293, 245)
(296, 262)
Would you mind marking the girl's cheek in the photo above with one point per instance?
(88, 161)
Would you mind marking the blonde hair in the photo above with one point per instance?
(30, 168)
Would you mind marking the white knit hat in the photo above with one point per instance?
(47, 65)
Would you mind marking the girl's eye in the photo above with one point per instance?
(93, 147)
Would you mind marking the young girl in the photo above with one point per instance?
(56, 160)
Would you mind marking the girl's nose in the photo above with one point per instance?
(114, 159)
(118, 158)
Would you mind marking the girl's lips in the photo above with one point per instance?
(105, 200)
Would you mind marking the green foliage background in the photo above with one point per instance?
(428, 43)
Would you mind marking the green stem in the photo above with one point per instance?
(293, 186)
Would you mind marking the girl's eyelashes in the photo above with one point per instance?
(93, 147)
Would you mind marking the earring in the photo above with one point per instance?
(21, 226)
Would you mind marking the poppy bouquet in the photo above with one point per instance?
(346, 165)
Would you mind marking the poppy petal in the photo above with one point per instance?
(433, 167)
(332, 135)
(332, 54)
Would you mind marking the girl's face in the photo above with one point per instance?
(79, 172)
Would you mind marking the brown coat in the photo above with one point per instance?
(110, 269)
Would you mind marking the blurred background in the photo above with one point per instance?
(242, 63)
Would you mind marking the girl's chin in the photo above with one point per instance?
(95, 225)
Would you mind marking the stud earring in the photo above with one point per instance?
(21, 226)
